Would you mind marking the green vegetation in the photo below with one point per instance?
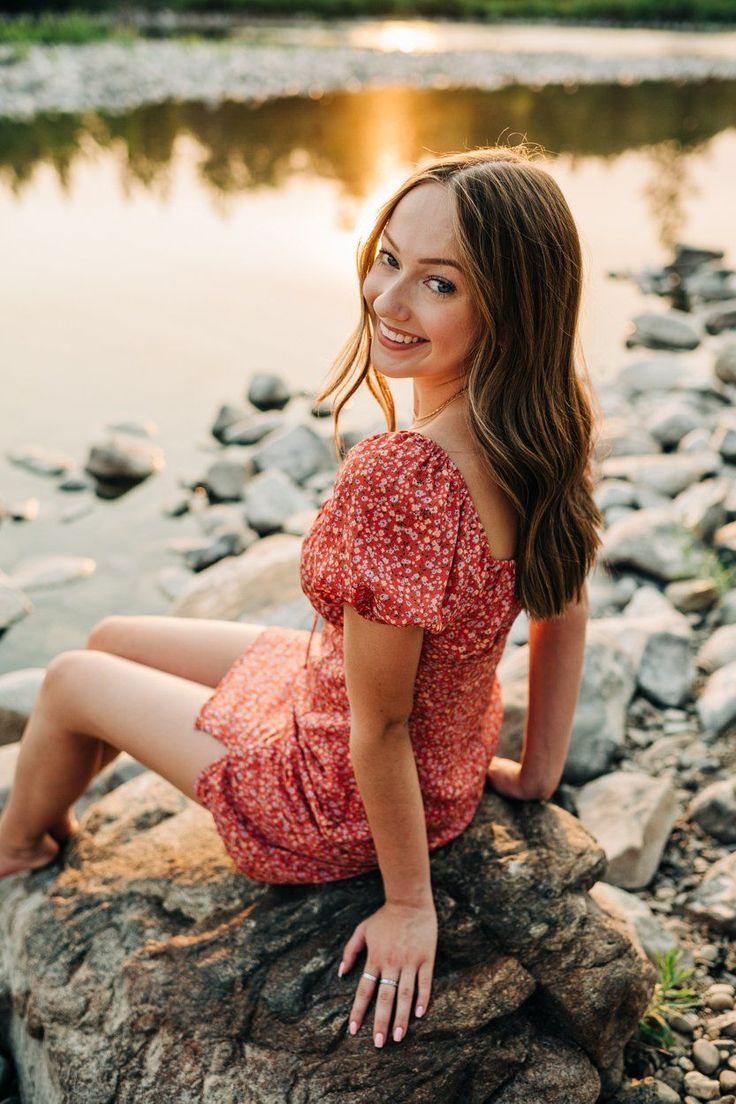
(668, 996)
(97, 19)
(705, 563)
(76, 27)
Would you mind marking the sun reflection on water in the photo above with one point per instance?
(397, 36)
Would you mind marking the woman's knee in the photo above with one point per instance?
(105, 631)
(64, 669)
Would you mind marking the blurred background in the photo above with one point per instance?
(182, 192)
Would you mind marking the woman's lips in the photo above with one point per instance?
(397, 346)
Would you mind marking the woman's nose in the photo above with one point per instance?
(391, 304)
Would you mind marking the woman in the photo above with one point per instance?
(374, 750)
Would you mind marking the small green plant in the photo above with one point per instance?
(669, 995)
(704, 563)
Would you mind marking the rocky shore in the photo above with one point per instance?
(117, 76)
(637, 847)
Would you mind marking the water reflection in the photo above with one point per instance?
(358, 139)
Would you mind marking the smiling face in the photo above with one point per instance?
(416, 287)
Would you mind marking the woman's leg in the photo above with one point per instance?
(199, 649)
(90, 701)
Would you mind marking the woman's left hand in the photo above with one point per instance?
(507, 777)
(401, 943)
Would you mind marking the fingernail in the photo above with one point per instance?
(353, 1027)
(420, 1010)
(398, 1034)
(379, 1039)
(340, 969)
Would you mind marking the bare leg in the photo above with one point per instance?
(90, 707)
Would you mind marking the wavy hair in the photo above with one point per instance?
(529, 410)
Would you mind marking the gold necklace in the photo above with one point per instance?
(427, 417)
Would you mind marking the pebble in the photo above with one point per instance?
(727, 1081)
(706, 1056)
(666, 1094)
(701, 1087)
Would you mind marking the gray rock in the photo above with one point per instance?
(267, 391)
(143, 960)
(701, 1087)
(614, 492)
(653, 373)
(667, 474)
(662, 331)
(652, 541)
(717, 702)
(225, 480)
(725, 363)
(271, 497)
(724, 543)
(717, 319)
(122, 458)
(18, 692)
(631, 815)
(266, 575)
(297, 451)
(145, 427)
(39, 572)
(666, 672)
(40, 460)
(14, 603)
(706, 1056)
(607, 687)
(724, 436)
(693, 595)
(714, 809)
(714, 902)
(669, 423)
(619, 436)
(702, 507)
(643, 925)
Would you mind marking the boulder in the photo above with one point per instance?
(141, 967)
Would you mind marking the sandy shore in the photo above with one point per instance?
(116, 76)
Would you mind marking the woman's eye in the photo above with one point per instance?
(447, 286)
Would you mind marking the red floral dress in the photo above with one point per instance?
(400, 540)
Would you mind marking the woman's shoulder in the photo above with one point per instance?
(398, 460)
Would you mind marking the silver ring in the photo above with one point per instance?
(388, 981)
(370, 977)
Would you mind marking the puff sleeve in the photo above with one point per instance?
(396, 514)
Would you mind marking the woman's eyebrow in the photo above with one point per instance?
(424, 260)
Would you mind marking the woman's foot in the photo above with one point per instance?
(13, 859)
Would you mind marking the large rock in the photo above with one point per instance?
(631, 815)
(142, 968)
(652, 540)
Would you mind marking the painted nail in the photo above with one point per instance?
(340, 969)
(420, 1010)
(353, 1027)
(398, 1034)
(379, 1039)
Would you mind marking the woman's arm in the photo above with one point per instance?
(381, 663)
(556, 653)
(386, 773)
(400, 938)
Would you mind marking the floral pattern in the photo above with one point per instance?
(399, 540)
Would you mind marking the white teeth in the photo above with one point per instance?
(398, 337)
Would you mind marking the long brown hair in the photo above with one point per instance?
(530, 412)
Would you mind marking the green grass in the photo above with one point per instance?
(100, 20)
(75, 27)
(668, 996)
